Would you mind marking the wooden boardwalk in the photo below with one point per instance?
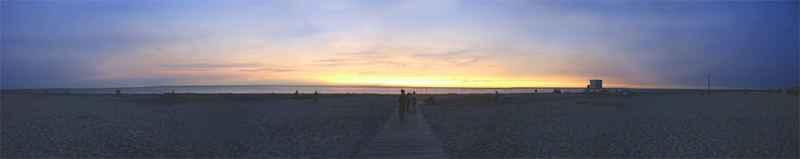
(411, 138)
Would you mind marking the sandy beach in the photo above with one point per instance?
(677, 125)
(493, 78)
(214, 125)
(520, 125)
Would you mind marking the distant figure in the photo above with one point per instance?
(496, 95)
(535, 91)
(702, 93)
(414, 102)
(315, 96)
(173, 91)
(118, 92)
(408, 102)
(45, 92)
(296, 93)
(403, 101)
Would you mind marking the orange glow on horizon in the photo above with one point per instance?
(442, 82)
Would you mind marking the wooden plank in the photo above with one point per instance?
(410, 138)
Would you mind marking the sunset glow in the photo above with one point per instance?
(399, 43)
(442, 82)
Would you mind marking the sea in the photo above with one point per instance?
(271, 89)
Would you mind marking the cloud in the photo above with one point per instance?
(659, 43)
(209, 65)
(330, 60)
(268, 69)
(459, 57)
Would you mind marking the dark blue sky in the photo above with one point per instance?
(672, 44)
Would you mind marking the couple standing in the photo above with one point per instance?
(408, 103)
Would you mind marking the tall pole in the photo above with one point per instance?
(709, 83)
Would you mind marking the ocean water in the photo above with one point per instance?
(261, 89)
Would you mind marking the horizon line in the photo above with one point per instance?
(385, 86)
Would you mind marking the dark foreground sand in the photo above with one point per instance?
(724, 125)
(189, 125)
(523, 125)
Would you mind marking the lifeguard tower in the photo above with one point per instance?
(595, 84)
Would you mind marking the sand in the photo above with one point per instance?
(189, 125)
(682, 125)
(523, 125)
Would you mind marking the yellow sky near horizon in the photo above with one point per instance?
(400, 62)
(399, 43)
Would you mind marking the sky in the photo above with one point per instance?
(635, 44)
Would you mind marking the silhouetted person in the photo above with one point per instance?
(45, 92)
(118, 92)
(403, 101)
(414, 102)
(408, 102)
(297, 93)
(315, 96)
(496, 95)
(535, 91)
